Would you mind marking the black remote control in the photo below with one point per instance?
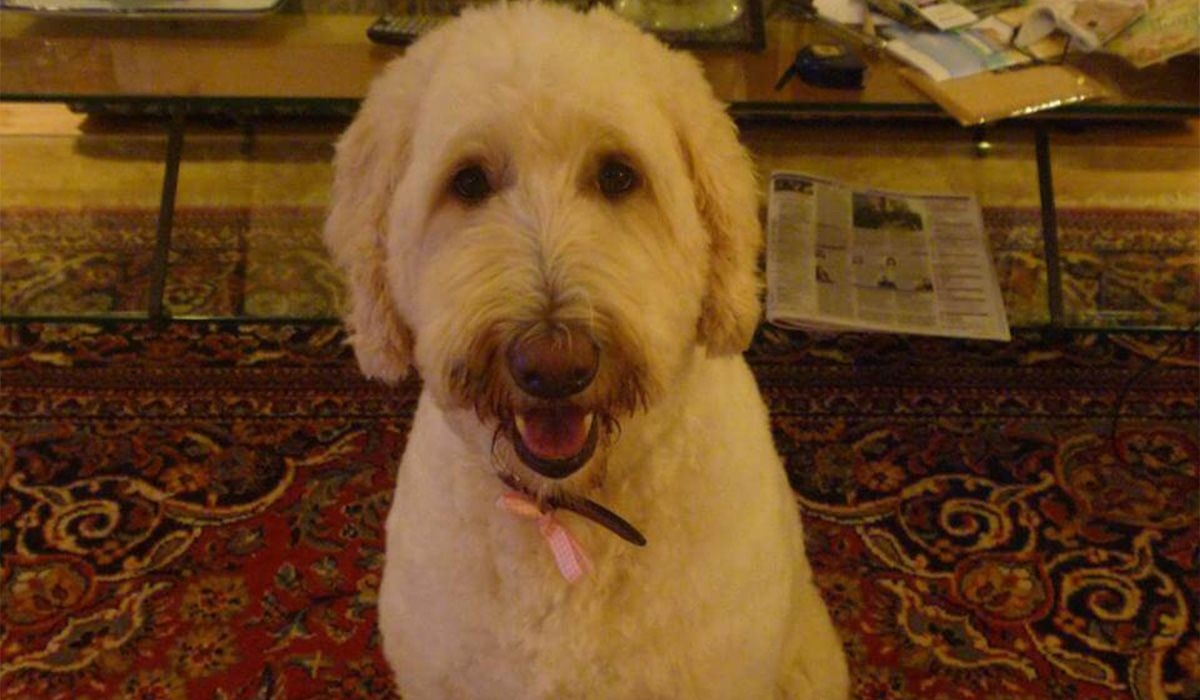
(402, 30)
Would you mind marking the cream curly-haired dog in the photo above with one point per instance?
(549, 215)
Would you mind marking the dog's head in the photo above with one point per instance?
(546, 213)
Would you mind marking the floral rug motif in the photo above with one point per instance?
(196, 511)
(1120, 267)
(975, 520)
(233, 262)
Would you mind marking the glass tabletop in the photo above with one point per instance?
(321, 57)
(79, 222)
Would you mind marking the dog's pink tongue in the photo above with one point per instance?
(555, 433)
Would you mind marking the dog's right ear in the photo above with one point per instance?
(365, 175)
(371, 158)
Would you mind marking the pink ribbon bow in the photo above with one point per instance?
(572, 561)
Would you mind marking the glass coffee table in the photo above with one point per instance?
(317, 63)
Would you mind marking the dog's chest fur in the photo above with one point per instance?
(711, 584)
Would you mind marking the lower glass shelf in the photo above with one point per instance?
(79, 214)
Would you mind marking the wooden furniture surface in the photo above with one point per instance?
(296, 57)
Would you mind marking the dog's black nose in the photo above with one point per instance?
(554, 364)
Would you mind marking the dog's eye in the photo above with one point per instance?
(471, 184)
(616, 179)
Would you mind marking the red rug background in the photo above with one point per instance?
(195, 512)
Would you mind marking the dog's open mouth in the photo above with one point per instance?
(555, 440)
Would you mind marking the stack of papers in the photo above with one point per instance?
(1090, 23)
(984, 46)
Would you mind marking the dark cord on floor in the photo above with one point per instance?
(1150, 365)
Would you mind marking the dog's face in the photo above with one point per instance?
(546, 213)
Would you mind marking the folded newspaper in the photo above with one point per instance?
(841, 258)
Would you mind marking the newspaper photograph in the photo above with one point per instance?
(840, 258)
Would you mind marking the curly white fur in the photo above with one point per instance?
(663, 279)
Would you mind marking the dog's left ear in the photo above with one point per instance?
(726, 188)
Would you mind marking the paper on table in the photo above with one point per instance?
(1169, 28)
(985, 97)
(944, 55)
(1091, 23)
(844, 11)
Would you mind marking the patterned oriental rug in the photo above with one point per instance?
(196, 512)
(1121, 267)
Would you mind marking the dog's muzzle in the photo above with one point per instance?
(553, 435)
